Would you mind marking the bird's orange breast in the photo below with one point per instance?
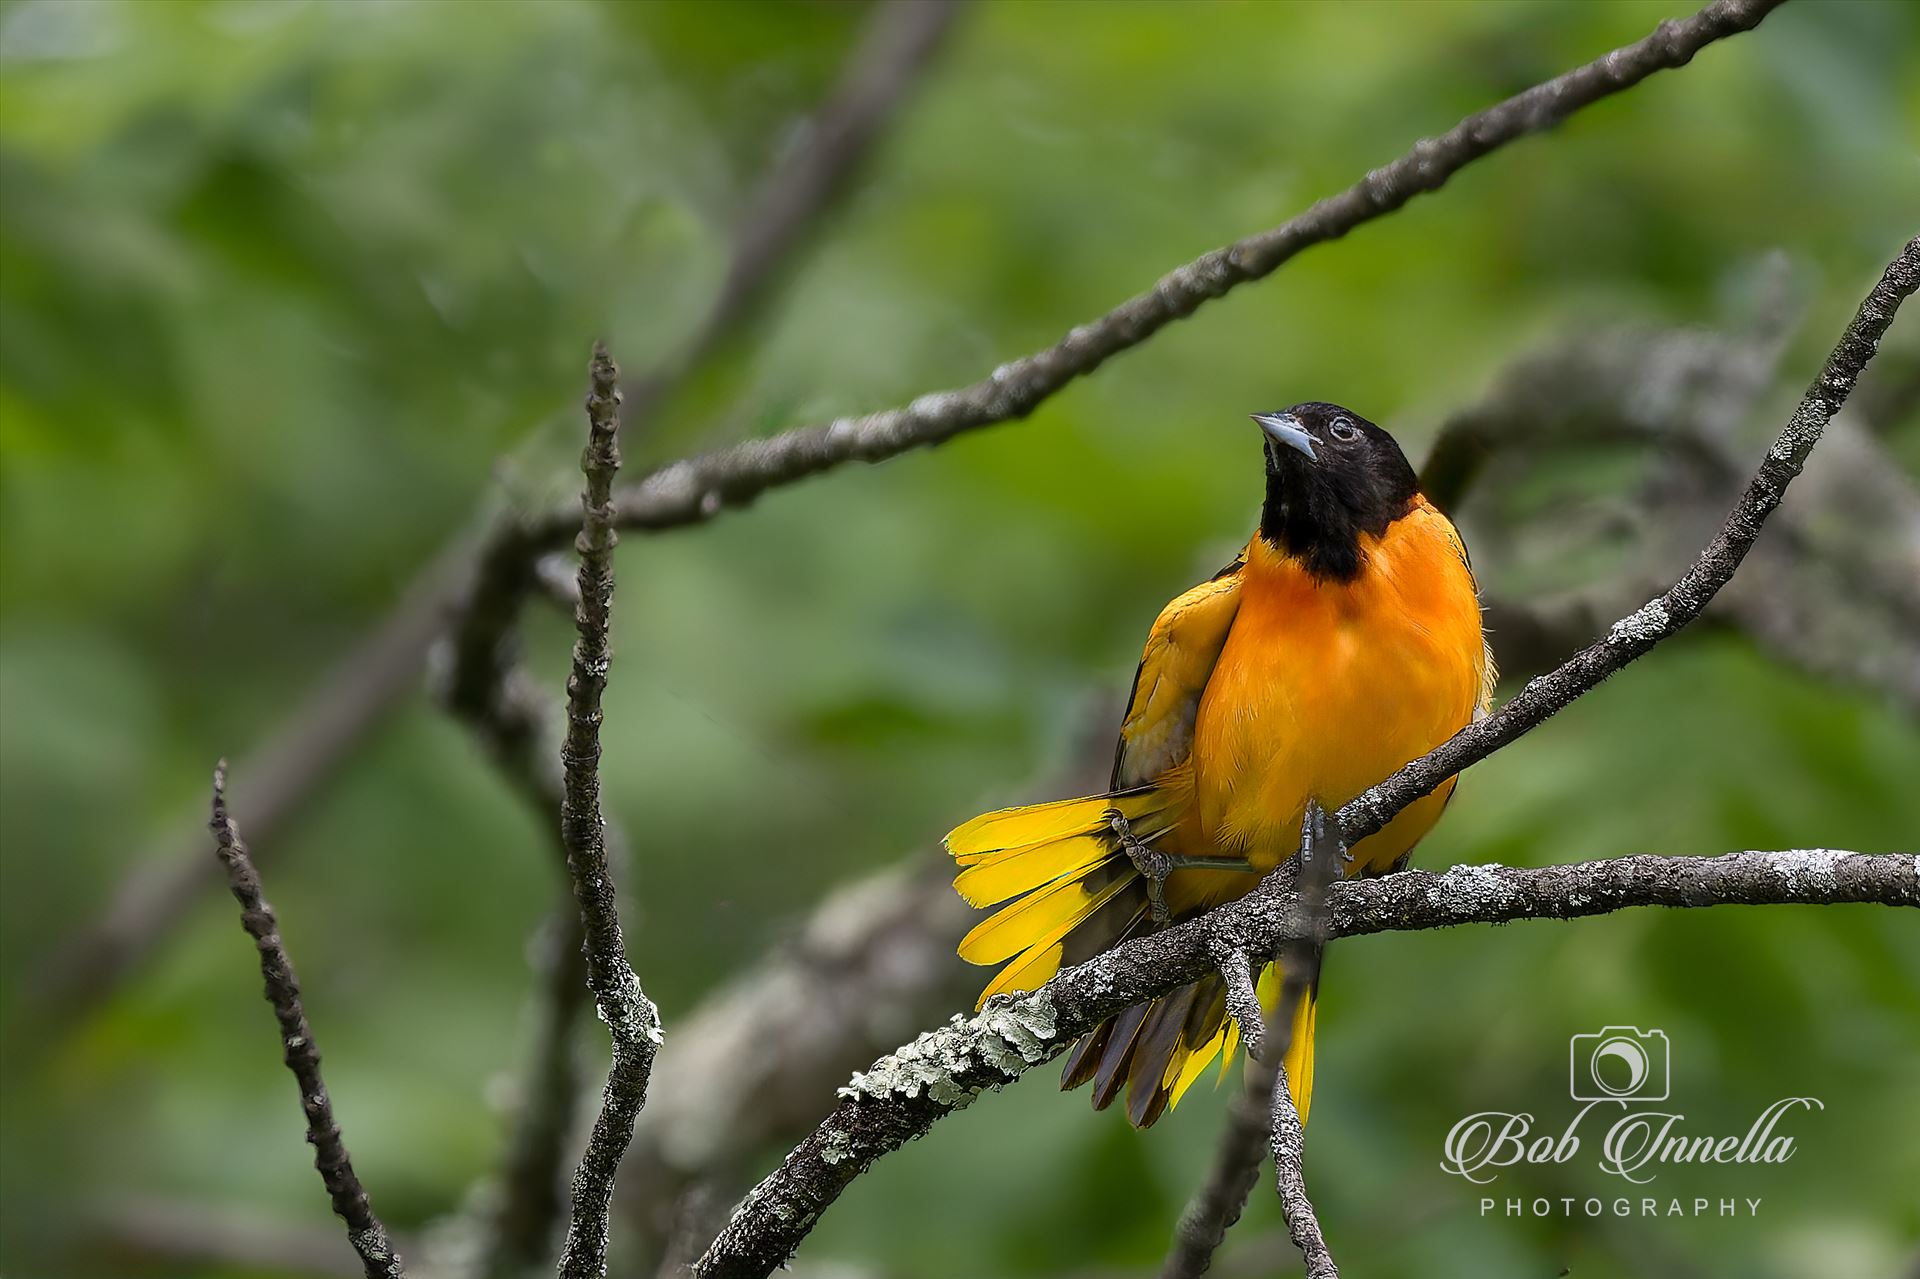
(1324, 688)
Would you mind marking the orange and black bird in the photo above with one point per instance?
(1344, 641)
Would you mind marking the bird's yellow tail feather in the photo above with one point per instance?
(1070, 892)
(1061, 865)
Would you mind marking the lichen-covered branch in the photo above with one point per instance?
(747, 1068)
(1290, 1182)
(633, 1023)
(902, 1095)
(364, 1231)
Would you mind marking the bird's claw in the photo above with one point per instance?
(1154, 866)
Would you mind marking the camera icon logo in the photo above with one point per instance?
(1620, 1063)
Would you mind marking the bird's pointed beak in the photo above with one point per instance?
(1285, 428)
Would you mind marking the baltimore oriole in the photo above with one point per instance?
(1342, 642)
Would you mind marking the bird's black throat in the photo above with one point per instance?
(1319, 516)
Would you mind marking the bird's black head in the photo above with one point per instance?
(1331, 476)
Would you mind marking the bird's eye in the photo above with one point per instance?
(1344, 430)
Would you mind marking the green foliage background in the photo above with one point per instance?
(282, 284)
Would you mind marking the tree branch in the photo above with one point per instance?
(633, 1023)
(302, 1055)
(697, 489)
(944, 1070)
(1290, 1182)
(1660, 618)
(486, 686)
(1217, 1205)
(905, 1094)
(745, 1070)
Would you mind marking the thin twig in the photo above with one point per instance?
(1243, 1001)
(486, 686)
(633, 1023)
(302, 1055)
(1216, 1206)
(1322, 863)
(1289, 1180)
(906, 1094)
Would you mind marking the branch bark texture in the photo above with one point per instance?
(1290, 1182)
(632, 1021)
(489, 690)
(302, 1055)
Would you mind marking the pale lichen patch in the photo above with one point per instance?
(1642, 625)
(928, 1066)
(1806, 869)
(1008, 1037)
(1465, 890)
(837, 1148)
(1014, 1036)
